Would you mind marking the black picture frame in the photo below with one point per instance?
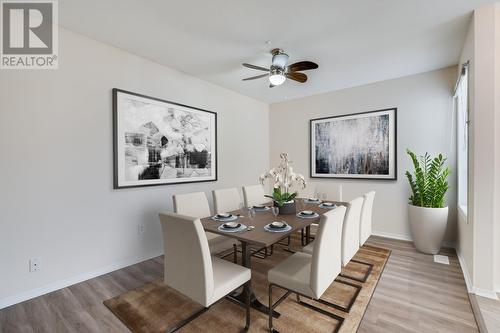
(117, 181)
(393, 171)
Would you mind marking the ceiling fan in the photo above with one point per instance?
(279, 71)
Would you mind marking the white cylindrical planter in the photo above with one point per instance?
(428, 226)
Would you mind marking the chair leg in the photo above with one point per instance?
(353, 299)
(282, 298)
(364, 278)
(235, 254)
(270, 308)
(247, 301)
(186, 321)
(326, 313)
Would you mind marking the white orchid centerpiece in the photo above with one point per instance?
(284, 179)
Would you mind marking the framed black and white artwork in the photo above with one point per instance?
(358, 146)
(157, 142)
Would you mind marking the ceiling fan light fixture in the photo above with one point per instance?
(277, 79)
(276, 76)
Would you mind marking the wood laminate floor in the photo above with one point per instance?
(414, 294)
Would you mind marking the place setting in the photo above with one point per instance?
(307, 214)
(327, 205)
(225, 217)
(312, 201)
(260, 208)
(229, 224)
(277, 226)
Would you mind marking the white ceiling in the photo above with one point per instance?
(354, 42)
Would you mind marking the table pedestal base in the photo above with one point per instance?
(239, 298)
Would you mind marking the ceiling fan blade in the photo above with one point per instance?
(299, 77)
(255, 77)
(302, 66)
(256, 67)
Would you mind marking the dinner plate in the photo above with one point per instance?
(242, 227)
(277, 225)
(327, 206)
(267, 227)
(228, 219)
(231, 225)
(313, 200)
(313, 216)
(260, 208)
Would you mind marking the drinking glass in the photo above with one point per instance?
(275, 210)
(251, 213)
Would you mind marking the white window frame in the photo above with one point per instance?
(461, 105)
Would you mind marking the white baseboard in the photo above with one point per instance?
(26, 295)
(465, 271)
(392, 236)
(405, 237)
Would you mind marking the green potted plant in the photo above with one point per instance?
(284, 179)
(427, 208)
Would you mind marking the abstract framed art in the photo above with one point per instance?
(356, 146)
(158, 142)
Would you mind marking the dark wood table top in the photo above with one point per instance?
(259, 236)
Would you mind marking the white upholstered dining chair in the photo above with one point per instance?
(192, 271)
(350, 240)
(310, 275)
(323, 191)
(331, 192)
(308, 192)
(365, 228)
(226, 200)
(350, 233)
(254, 195)
(196, 205)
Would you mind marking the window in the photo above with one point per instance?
(462, 113)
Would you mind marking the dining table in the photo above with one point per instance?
(255, 235)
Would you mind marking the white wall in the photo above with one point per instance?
(483, 122)
(478, 242)
(496, 202)
(57, 200)
(425, 107)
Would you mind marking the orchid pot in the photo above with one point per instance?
(284, 179)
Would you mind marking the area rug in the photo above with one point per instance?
(155, 307)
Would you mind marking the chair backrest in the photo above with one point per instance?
(308, 192)
(226, 200)
(254, 195)
(365, 228)
(350, 232)
(330, 191)
(191, 204)
(333, 192)
(326, 258)
(188, 265)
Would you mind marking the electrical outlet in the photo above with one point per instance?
(140, 229)
(35, 264)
